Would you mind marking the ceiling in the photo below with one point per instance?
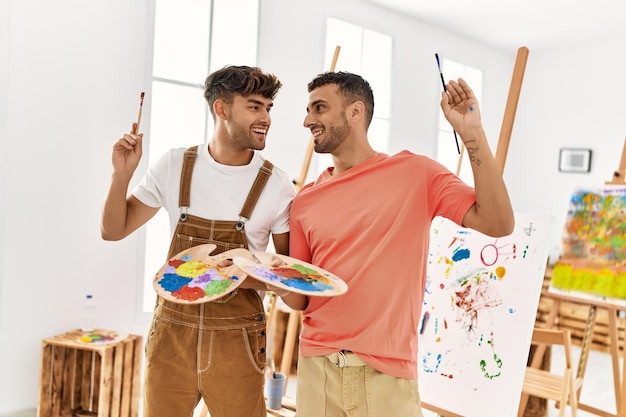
(509, 24)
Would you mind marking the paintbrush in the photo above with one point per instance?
(139, 115)
(443, 82)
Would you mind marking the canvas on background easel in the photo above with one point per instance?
(591, 272)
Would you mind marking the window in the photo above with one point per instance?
(192, 38)
(447, 153)
(368, 54)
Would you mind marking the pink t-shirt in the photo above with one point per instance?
(370, 226)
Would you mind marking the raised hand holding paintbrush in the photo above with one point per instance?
(127, 150)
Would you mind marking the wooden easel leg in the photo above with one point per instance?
(522, 405)
(290, 340)
(614, 348)
(585, 346)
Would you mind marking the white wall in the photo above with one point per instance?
(68, 89)
(74, 71)
(4, 84)
(572, 97)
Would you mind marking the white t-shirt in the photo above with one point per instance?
(218, 192)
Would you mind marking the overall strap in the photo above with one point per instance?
(184, 196)
(257, 188)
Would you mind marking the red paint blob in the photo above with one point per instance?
(189, 293)
(176, 263)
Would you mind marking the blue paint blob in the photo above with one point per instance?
(173, 282)
(424, 322)
(307, 285)
(461, 254)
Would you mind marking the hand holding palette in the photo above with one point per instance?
(292, 275)
(193, 275)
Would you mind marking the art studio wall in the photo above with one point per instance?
(70, 73)
(567, 101)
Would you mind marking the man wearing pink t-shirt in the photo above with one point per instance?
(367, 220)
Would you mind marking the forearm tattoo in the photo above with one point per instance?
(472, 152)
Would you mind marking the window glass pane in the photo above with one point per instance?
(376, 69)
(181, 39)
(378, 134)
(177, 119)
(235, 29)
(447, 153)
(474, 78)
(349, 38)
(186, 49)
(368, 54)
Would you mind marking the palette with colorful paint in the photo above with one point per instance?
(192, 276)
(101, 337)
(293, 275)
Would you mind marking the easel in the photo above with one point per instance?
(501, 152)
(619, 176)
(619, 382)
(612, 309)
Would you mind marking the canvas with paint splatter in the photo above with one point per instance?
(592, 264)
(478, 313)
(193, 276)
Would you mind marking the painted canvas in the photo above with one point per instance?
(479, 311)
(592, 264)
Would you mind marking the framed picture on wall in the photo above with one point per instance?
(574, 160)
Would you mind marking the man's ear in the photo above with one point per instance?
(357, 111)
(221, 109)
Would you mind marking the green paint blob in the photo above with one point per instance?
(217, 287)
(304, 270)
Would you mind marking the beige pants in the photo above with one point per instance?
(341, 385)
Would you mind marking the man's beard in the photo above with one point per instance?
(335, 137)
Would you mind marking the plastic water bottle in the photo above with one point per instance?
(88, 314)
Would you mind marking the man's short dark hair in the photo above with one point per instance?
(233, 80)
(352, 86)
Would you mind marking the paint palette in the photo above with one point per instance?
(192, 276)
(293, 275)
(101, 337)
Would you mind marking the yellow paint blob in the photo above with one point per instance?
(192, 269)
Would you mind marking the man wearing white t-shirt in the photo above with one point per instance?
(215, 350)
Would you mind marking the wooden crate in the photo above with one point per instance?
(90, 379)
